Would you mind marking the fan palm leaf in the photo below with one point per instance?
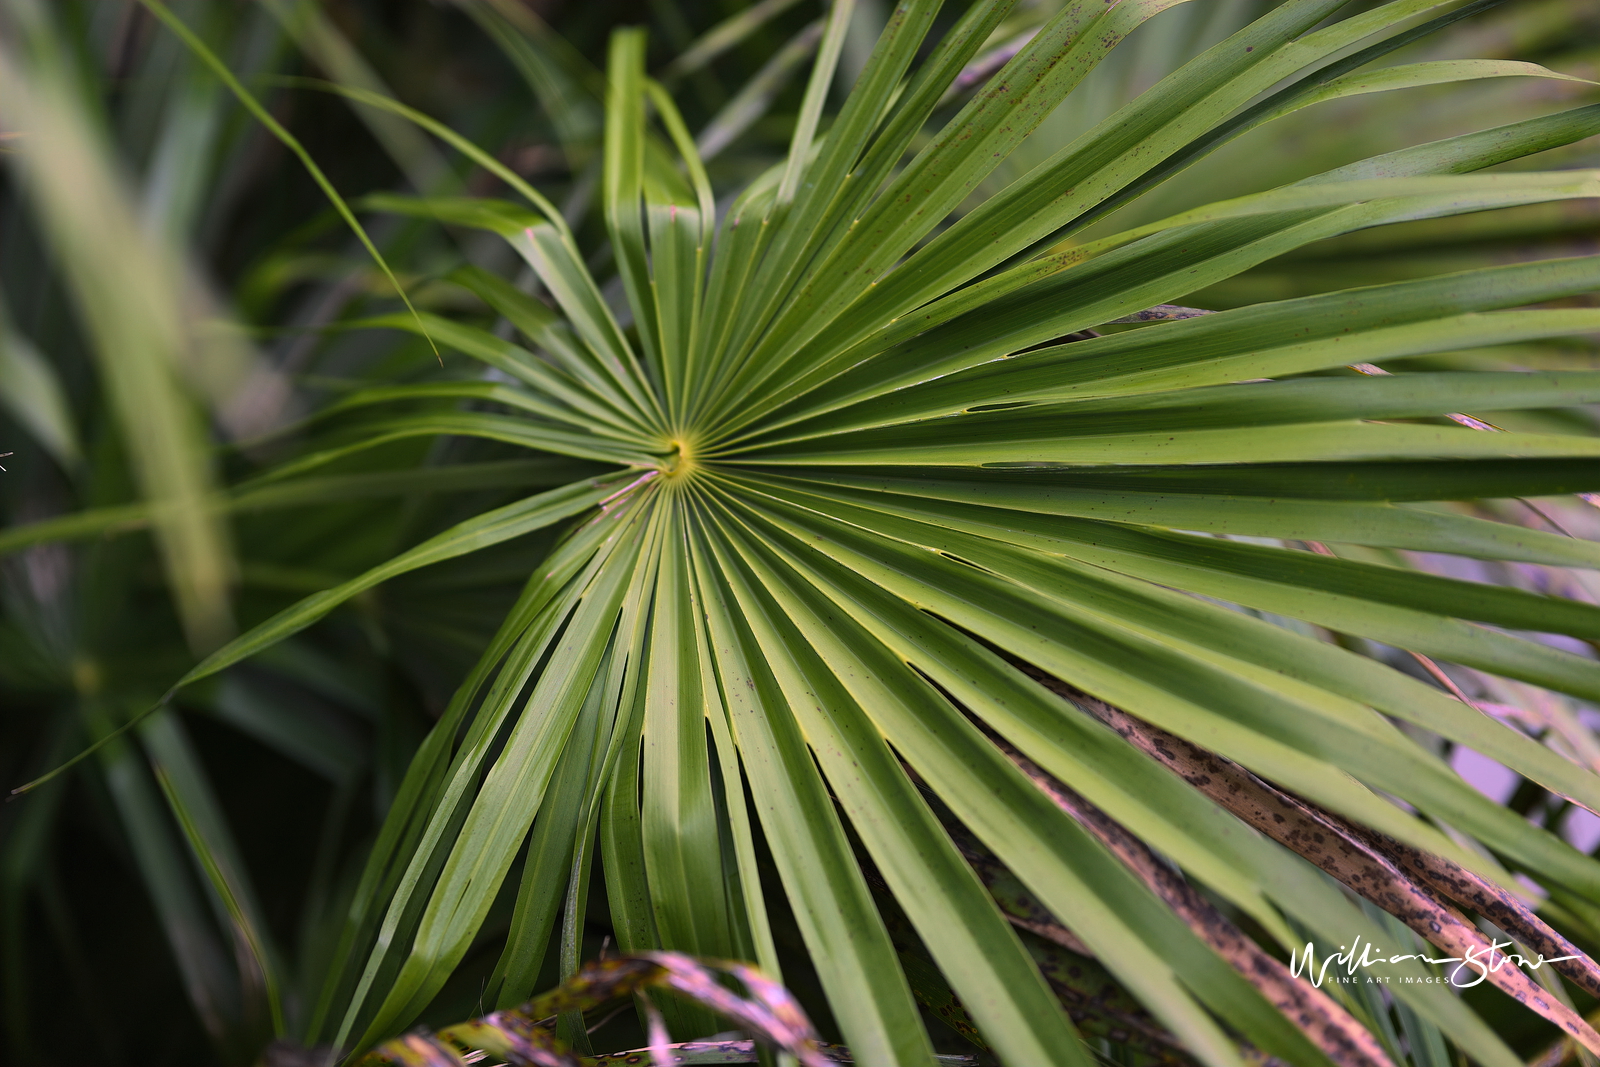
(895, 571)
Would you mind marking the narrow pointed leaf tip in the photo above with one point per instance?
(193, 42)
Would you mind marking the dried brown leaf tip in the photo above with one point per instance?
(522, 1037)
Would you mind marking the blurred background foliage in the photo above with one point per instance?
(172, 289)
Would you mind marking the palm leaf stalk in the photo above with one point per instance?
(899, 571)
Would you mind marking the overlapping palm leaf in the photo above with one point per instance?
(869, 472)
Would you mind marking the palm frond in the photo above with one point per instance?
(943, 595)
